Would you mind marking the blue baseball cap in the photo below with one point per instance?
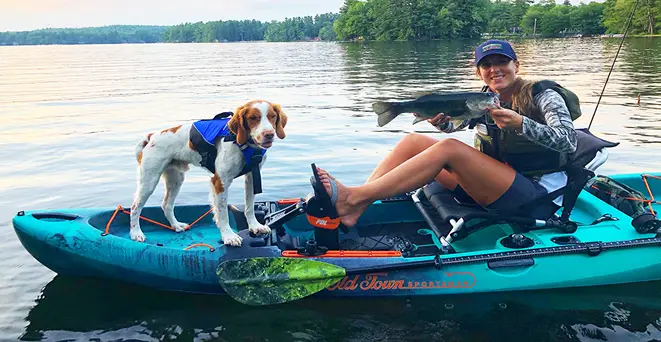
(492, 47)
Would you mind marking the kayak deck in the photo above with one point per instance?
(381, 235)
(72, 242)
(202, 234)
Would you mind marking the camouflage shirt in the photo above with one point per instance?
(557, 134)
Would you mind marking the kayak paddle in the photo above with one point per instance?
(276, 280)
(264, 281)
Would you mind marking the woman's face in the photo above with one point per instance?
(497, 71)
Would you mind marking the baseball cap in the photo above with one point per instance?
(494, 46)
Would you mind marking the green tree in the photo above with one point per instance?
(555, 20)
(501, 19)
(588, 19)
(646, 18)
(463, 19)
(354, 23)
(327, 33)
(532, 20)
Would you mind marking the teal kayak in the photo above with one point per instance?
(94, 242)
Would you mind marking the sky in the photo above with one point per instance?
(22, 15)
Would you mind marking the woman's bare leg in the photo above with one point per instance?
(407, 148)
(482, 177)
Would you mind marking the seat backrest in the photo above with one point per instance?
(589, 148)
(579, 176)
(598, 160)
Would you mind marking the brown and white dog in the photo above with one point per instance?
(170, 152)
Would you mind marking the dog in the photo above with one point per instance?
(170, 152)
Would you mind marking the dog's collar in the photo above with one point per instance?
(249, 144)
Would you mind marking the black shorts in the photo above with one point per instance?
(522, 190)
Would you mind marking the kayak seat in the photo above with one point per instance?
(465, 217)
(446, 204)
(461, 215)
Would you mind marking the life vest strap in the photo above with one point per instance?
(203, 135)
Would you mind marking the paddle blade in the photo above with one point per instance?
(264, 281)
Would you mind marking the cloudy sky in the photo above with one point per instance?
(17, 15)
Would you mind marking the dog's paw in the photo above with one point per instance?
(260, 230)
(179, 226)
(230, 238)
(138, 235)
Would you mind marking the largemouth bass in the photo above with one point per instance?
(458, 106)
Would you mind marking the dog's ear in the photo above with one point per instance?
(280, 121)
(237, 125)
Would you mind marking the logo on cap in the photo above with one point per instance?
(493, 46)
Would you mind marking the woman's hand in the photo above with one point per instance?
(507, 118)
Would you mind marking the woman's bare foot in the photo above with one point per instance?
(348, 208)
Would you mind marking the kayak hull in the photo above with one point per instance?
(73, 242)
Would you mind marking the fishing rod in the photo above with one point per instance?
(614, 59)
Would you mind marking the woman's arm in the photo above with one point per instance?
(558, 134)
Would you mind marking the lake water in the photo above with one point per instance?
(71, 116)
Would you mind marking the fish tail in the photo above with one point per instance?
(385, 111)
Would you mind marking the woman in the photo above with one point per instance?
(542, 120)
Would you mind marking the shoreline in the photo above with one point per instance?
(485, 36)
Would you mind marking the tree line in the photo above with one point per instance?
(443, 19)
(114, 34)
(383, 20)
(291, 29)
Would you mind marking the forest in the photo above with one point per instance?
(383, 20)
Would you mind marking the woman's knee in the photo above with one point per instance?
(415, 138)
(451, 145)
(416, 141)
(455, 150)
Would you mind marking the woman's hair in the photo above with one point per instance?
(522, 101)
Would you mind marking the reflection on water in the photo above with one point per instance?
(72, 114)
(108, 310)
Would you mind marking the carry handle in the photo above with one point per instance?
(56, 216)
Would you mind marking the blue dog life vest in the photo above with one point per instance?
(203, 135)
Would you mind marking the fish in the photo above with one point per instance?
(458, 106)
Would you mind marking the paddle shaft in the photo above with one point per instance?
(392, 267)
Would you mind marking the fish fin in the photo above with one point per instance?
(418, 119)
(385, 112)
(419, 94)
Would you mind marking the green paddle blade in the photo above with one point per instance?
(264, 281)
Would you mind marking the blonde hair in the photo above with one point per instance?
(522, 101)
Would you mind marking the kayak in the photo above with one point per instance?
(419, 243)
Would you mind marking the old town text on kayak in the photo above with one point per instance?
(380, 281)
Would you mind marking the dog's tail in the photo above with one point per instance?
(140, 146)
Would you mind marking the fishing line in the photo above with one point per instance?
(613, 65)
